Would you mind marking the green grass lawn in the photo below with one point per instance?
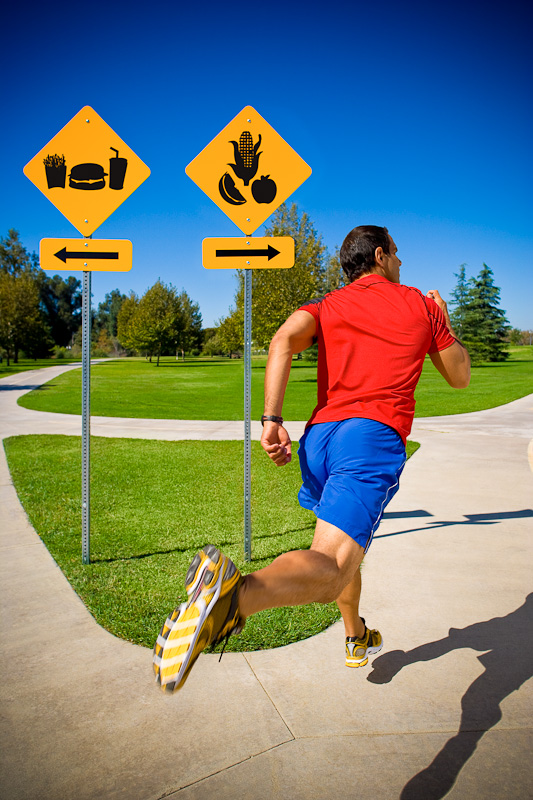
(153, 505)
(25, 364)
(213, 389)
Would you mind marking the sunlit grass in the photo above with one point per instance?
(213, 389)
(153, 505)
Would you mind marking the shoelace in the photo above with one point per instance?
(224, 646)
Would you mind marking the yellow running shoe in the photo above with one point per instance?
(210, 614)
(358, 650)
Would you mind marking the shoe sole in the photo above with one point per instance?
(185, 633)
(353, 662)
(198, 568)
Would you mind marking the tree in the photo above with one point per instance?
(276, 293)
(108, 311)
(334, 276)
(514, 336)
(14, 258)
(22, 322)
(230, 331)
(124, 322)
(189, 330)
(483, 323)
(460, 299)
(22, 326)
(61, 299)
(160, 322)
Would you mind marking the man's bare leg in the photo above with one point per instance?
(318, 575)
(348, 603)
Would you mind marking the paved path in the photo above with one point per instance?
(445, 710)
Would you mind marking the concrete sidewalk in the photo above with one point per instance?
(445, 710)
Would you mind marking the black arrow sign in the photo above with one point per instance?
(269, 252)
(63, 255)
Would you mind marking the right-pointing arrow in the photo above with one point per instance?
(269, 252)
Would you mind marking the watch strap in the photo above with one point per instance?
(271, 418)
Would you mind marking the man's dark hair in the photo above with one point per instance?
(358, 250)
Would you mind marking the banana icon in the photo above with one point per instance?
(229, 192)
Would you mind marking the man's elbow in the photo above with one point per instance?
(280, 343)
(460, 384)
(461, 380)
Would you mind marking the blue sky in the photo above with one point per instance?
(411, 116)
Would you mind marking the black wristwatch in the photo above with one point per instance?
(271, 418)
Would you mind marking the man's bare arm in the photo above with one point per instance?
(454, 362)
(295, 335)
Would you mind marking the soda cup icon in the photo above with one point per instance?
(117, 170)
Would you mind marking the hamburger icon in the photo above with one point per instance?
(87, 176)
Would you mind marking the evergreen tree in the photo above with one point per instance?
(484, 325)
(460, 299)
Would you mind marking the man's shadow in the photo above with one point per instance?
(508, 664)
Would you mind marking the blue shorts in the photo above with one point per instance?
(350, 472)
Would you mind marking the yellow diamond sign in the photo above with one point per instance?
(86, 171)
(248, 170)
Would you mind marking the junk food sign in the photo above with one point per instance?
(86, 171)
(248, 170)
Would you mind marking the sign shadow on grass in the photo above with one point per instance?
(152, 553)
(508, 663)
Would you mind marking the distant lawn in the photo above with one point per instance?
(25, 364)
(491, 385)
(153, 505)
(213, 389)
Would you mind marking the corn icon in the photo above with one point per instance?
(246, 157)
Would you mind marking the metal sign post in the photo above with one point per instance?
(83, 149)
(247, 414)
(264, 172)
(86, 420)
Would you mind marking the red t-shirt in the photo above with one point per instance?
(373, 336)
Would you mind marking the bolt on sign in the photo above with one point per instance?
(86, 171)
(248, 170)
(261, 252)
(104, 255)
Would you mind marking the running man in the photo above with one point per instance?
(373, 336)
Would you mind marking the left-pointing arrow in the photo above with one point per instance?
(64, 254)
(269, 252)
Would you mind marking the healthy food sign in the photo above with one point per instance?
(86, 171)
(248, 170)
